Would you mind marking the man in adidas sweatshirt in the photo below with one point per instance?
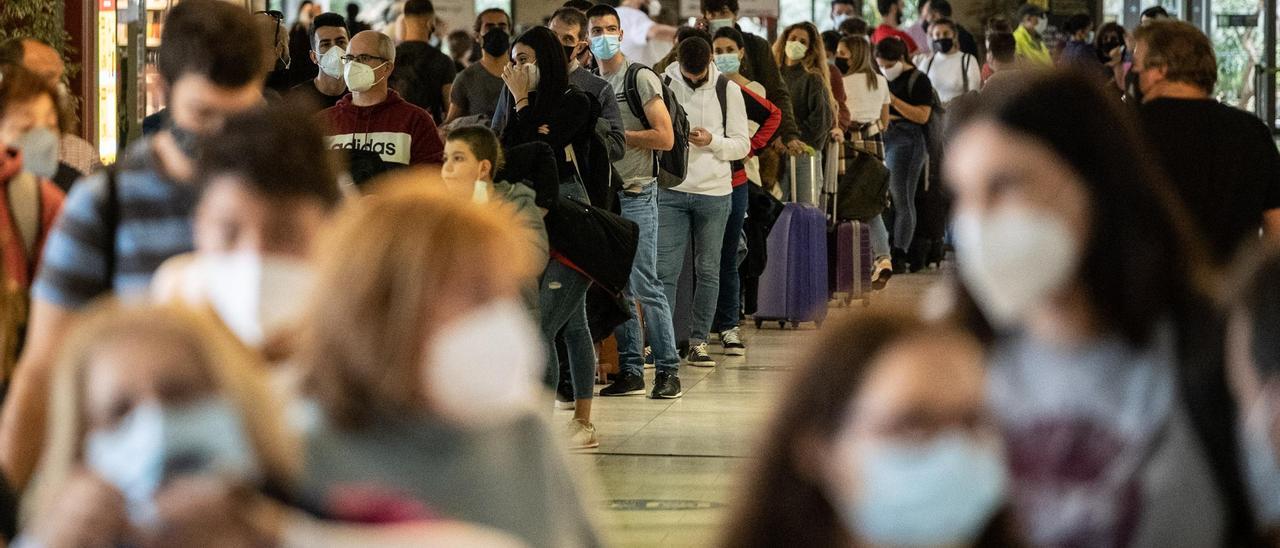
(375, 118)
(695, 212)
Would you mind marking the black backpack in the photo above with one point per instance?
(933, 127)
(671, 166)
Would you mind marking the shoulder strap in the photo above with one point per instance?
(931, 58)
(111, 220)
(911, 81)
(722, 94)
(632, 92)
(964, 69)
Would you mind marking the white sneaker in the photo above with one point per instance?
(581, 434)
(881, 273)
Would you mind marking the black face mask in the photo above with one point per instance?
(694, 84)
(496, 42)
(943, 45)
(842, 64)
(569, 51)
(187, 141)
(1111, 44)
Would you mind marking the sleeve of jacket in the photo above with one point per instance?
(533, 164)
(837, 89)
(616, 137)
(501, 113)
(765, 71)
(569, 119)
(763, 112)
(426, 147)
(735, 143)
(818, 123)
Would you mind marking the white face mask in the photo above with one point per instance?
(1013, 260)
(655, 8)
(472, 380)
(893, 72)
(39, 146)
(534, 75)
(795, 50)
(360, 77)
(839, 18)
(331, 62)
(256, 296)
(480, 192)
(1042, 25)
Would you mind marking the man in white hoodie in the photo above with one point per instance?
(695, 212)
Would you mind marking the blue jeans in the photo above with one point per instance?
(699, 220)
(730, 304)
(645, 286)
(905, 155)
(562, 304)
(879, 237)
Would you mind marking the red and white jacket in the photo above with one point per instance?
(397, 130)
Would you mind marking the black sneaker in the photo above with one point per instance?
(564, 395)
(626, 385)
(666, 386)
(699, 356)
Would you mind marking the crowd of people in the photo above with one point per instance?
(333, 294)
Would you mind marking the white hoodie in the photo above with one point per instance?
(709, 171)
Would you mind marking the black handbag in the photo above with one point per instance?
(863, 187)
(596, 242)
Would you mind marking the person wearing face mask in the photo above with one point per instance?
(477, 88)
(30, 202)
(374, 117)
(105, 241)
(1253, 363)
(841, 11)
(644, 41)
(423, 366)
(1032, 24)
(800, 53)
(952, 72)
(964, 40)
(1079, 51)
(279, 79)
(1121, 366)
(905, 145)
(868, 99)
(168, 436)
(884, 439)
(327, 46)
(1111, 48)
(264, 197)
(891, 18)
(1222, 161)
(424, 74)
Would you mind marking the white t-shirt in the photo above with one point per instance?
(636, 44)
(945, 70)
(865, 105)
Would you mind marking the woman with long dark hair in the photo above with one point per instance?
(548, 109)
(1106, 373)
(883, 440)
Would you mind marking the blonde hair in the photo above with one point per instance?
(814, 60)
(860, 59)
(236, 371)
(379, 268)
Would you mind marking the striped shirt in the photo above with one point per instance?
(153, 223)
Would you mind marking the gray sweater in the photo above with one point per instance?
(809, 99)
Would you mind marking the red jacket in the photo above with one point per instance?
(765, 113)
(20, 267)
(396, 129)
(886, 31)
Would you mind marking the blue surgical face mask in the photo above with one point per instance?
(1262, 472)
(39, 147)
(728, 63)
(154, 443)
(942, 491)
(605, 46)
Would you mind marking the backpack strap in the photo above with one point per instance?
(931, 58)
(964, 70)
(722, 93)
(632, 91)
(111, 220)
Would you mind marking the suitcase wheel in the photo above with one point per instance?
(759, 324)
(782, 324)
(795, 325)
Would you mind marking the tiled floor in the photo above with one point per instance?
(668, 468)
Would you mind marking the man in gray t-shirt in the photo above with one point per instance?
(639, 202)
(475, 91)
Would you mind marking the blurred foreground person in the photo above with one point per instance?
(1106, 370)
(1253, 360)
(163, 433)
(422, 365)
(264, 197)
(883, 440)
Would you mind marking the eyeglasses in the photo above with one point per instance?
(363, 58)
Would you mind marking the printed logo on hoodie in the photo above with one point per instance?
(392, 146)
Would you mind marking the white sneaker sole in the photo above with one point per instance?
(735, 352)
(591, 445)
(566, 405)
(701, 364)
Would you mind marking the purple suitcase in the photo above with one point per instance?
(853, 262)
(793, 287)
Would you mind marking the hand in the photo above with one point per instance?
(837, 135)
(699, 137)
(88, 512)
(796, 147)
(206, 511)
(517, 81)
(778, 146)
(1115, 56)
(544, 129)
